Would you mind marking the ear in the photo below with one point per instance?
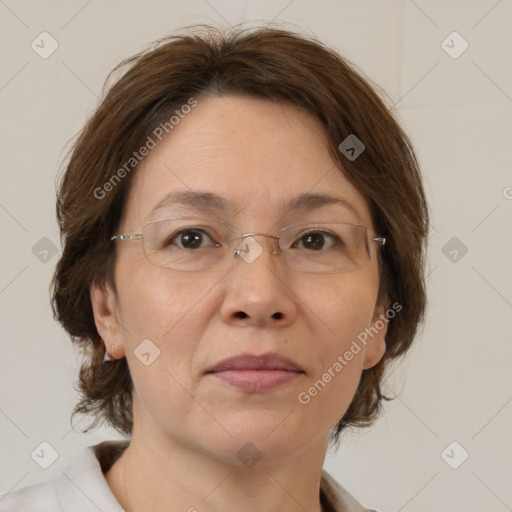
(376, 344)
(106, 315)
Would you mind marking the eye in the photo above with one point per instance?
(317, 241)
(191, 239)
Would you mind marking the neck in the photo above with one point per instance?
(173, 477)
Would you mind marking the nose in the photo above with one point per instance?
(257, 292)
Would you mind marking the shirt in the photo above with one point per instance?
(82, 487)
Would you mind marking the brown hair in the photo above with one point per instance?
(267, 63)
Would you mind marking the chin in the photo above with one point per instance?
(259, 441)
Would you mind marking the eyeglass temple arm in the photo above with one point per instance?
(127, 237)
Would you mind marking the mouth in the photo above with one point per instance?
(256, 374)
(257, 381)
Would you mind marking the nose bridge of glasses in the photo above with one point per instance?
(245, 240)
(274, 239)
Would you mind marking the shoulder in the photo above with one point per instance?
(80, 487)
(33, 498)
(337, 499)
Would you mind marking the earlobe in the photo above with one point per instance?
(105, 311)
(374, 354)
(376, 344)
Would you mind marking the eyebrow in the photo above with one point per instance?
(308, 202)
(201, 201)
(208, 201)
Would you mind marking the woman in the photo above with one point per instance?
(243, 227)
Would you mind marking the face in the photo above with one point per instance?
(258, 156)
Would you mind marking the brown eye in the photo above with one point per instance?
(191, 239)
(316, 241)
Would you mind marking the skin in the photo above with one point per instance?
(188, 427)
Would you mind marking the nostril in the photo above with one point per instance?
(241, 314)
(277, 316)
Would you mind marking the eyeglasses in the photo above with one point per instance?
(201, 245)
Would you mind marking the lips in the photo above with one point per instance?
(256, 374)
(270, 361)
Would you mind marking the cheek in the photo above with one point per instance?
(339, 311)
(154, 302)
(169, 309)
(166, 308)
(340, 308)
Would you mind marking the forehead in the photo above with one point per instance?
(260, 156)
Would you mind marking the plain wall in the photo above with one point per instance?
(453, 386)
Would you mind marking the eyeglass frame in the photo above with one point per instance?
(378, 240)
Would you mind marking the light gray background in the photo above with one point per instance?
(455, 384)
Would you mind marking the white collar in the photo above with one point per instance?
(82, 486)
